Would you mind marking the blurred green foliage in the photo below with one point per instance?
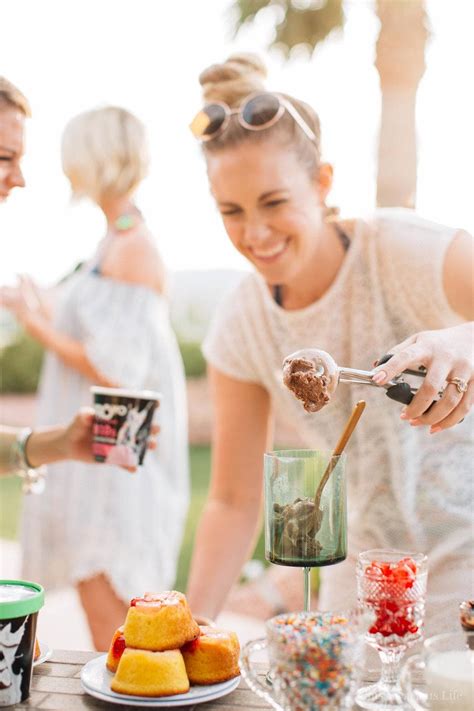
(20, 363)
(10, 506)
(297, 22)
(193, 359)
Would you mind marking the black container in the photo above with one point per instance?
(122, 424)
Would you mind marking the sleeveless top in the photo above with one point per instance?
(406, 489)
(94, 517)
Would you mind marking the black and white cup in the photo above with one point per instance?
(122, 424)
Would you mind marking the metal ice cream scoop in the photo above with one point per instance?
(324, 366)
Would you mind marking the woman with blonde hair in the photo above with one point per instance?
(120, 535)
(391, 283)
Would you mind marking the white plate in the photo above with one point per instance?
(45, 654)
(96, 678)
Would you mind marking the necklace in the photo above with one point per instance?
(124, 222)
(127, 220)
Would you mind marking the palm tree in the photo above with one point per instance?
(400, 62)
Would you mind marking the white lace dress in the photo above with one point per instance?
(406, 489)
(98, 518)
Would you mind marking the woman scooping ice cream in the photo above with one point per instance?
(390, 283)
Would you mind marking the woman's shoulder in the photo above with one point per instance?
(409, 252)
(402, 222)
(400, 233)
(133, 257)
(136, 242)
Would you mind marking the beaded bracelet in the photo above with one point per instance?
(33, 478)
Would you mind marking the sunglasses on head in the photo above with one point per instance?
(259, 111)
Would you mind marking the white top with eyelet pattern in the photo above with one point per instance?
(407, 489)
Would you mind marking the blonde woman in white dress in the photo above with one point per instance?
(114, 535)
(391, 283)
(59, 442)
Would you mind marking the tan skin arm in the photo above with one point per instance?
(50, 444)
(53, 444)
(458, 276)
(38, 299)
(231, 518)
(70, 351)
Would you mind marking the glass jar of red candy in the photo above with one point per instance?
(391, 585)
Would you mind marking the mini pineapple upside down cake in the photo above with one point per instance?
(160, 650)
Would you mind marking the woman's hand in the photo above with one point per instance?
(15, 299)
(25, 300)
(71, 442)
(77, 438)
(448, 356)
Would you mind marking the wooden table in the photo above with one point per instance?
(56, 686)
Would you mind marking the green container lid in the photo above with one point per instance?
(32, 602)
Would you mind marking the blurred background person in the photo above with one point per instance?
(110, 327)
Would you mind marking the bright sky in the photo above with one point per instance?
(146, 55)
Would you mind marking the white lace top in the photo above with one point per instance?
(406, 488)
(98, 518)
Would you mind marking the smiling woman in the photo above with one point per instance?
(391, 283)
(272, 216)
(14, 108)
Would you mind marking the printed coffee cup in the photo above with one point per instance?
(122, 424)
(19, 604)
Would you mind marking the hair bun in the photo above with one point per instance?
(234, 79)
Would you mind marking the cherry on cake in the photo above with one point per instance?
(116, 649)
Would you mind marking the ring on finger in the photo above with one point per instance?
(460, 383)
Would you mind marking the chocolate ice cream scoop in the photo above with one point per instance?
(294, 529)
(312, 375)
